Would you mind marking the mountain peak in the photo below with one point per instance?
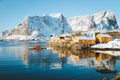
(56, 15)
(25, 19)
(104, 20)
(42, 26)
(46, 25)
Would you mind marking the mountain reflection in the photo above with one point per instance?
(42, 58)
(57, 58)
(58, 63)
(88, 59)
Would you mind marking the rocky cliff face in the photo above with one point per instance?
(46, 25)
(21, 29)
(42, 25)
(103, 21)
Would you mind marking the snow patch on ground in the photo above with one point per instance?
(111, 44)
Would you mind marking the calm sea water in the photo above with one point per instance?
(17, 62)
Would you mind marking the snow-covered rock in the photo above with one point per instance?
(36, 27)
(111, 44)
(42, 26)
(105, 20)
(17, 37)
(3, 34)
(119, 24)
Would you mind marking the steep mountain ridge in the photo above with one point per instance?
(33, 27)
(42, 26)
(105, 20)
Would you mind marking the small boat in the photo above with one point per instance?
(36, 47)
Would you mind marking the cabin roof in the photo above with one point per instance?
(104, 35)
(85, 38)
(67, 34)
(67, 38)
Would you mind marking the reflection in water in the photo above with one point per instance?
(103, 63)
(43, 58)
(58, 57)
(58, 61)
(114, 53)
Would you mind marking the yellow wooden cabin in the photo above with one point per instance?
(103, 38)
(61, 41)
(79, 42)
(53, 41)
(83, 40)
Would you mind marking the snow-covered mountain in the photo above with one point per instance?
(119, 24)
(46, 25)
(41, 26)
(3, 34)
(102, 21)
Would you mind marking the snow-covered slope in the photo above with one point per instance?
(119, 24)
(3, 34)
(111, 44)
(41, 26)
(46, 25)
(104, 21)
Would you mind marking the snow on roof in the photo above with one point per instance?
(104, 35)
(63, 35)
(85, 38)
(67, 38)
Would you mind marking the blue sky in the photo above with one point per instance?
(12, 12)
